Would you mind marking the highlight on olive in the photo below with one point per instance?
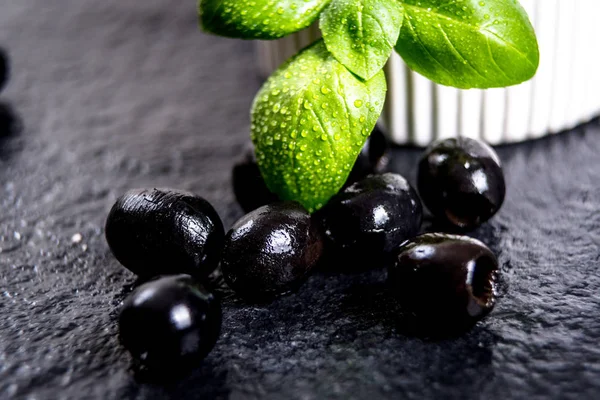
(369, 219)
(163, 232)
(447, 282)
(270, 251)
(461, 181)
(170, 323)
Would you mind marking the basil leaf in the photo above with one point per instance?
(309, 123)
(258, 19)
(469, 43)
(361, 34)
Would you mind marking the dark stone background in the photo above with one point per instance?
(119, 94)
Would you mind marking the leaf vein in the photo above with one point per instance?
(459, 54)
(512, 46)
(494, 60)
(425, 47)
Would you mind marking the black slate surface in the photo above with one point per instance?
(119, 94)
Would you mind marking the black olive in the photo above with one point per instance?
(164, 231)
(448, 282)
(270, 251)
(373, 158)
(461, 181)
(3, 68)
(249, 186)
(369, 219)
(172, 322)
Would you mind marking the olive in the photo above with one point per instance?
(249, 187)
(461, 181)
(3, 68)
(163, 232)
(171, 322)
(448, 282)
(270, 251)
(372, 159)
(369, 219)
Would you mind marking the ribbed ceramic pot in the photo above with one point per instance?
(564, 93)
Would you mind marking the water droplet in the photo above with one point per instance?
(323, 137)
(358, 103)
(362, 119)
(325, 90)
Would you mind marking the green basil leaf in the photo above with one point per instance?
(361, 34)
(469, 43)
(258, 19)
(309, 123)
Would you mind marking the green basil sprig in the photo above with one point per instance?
(311, 118)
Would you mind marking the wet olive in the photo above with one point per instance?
(448, 282)
(249, 187)
(373, 158)
(164, 231)
(461, 181)
(3, 68)
(172, 322)
(270, 251)
(369, 219)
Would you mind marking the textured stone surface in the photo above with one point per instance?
(121, 94)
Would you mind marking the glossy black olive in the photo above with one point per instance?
(461, 181)
(164, 231)
(3, 68)
(172, 322)
(369, 219)
(373, 158)
(249, 187)
(270, 251)
(447, 281)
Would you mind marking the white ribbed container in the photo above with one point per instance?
(564, 93)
